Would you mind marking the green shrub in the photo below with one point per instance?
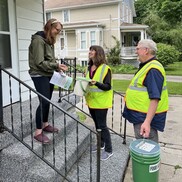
(123, 69)
(113, 56)
(81, 69)
(167, 54)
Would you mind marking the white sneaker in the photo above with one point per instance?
(105, 155)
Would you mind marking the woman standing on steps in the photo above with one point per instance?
(42, 64)
(99, 96)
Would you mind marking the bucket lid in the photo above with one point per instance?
(83, 79)
(145, 147)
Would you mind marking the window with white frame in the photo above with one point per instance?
(48, 16)
(83, 40)
(5, 44)
(101, 38)
(84, 63)
(62, 43)
(66, 16)
(92, 38)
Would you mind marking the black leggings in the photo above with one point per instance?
(43, 86)
(99, 117)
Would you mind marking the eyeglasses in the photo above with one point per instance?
(138, 48)
(58, 30)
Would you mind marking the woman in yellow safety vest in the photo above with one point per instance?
(99, 96)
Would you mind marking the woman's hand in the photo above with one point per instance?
(63, 67)
(92, 82)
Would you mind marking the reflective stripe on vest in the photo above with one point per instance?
(137, 97)
(147, 66)
(144, 89)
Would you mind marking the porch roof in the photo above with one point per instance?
(83, 25)
(126, 26)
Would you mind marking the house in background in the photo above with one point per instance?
(90, 22)
(86, 22)
(18, 21)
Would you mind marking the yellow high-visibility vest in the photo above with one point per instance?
(95, 97)
(137, 97)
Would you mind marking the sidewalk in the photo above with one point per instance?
(170, 140)
(171, 145)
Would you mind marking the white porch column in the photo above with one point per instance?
(142, 34)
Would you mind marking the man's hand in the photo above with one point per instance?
(145, 130)
(145, 127)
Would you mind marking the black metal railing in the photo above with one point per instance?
(116, 122)
(20, 123)
(17, 119)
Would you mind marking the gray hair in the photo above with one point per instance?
(148, 43)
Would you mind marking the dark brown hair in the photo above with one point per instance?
(52, 23)
(100, 56)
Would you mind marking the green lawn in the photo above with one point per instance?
(174, 69)
(171, 69)
(174, 88)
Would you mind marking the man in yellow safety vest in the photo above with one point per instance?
(146, 99)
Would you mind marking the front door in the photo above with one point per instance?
(8, 50)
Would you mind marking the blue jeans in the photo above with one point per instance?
(43, 86)
(99, 117)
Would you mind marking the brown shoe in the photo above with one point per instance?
(42, 138)
(50, 129)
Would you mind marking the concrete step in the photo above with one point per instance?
(23, 122)
(19, 164)
(16, 159)
(112, 170)
(45, 173)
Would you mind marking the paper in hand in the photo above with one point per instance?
(61, 80)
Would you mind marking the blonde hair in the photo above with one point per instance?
(52, 23)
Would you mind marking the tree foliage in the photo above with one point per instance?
(171, 11)
(164, 18)
(167, 10)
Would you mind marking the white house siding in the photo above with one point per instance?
(127, 11)
(71, 41)
(107, 17)
(29, 16)
(96, 14)
(110, 19)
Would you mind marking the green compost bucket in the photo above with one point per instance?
(145, 155)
